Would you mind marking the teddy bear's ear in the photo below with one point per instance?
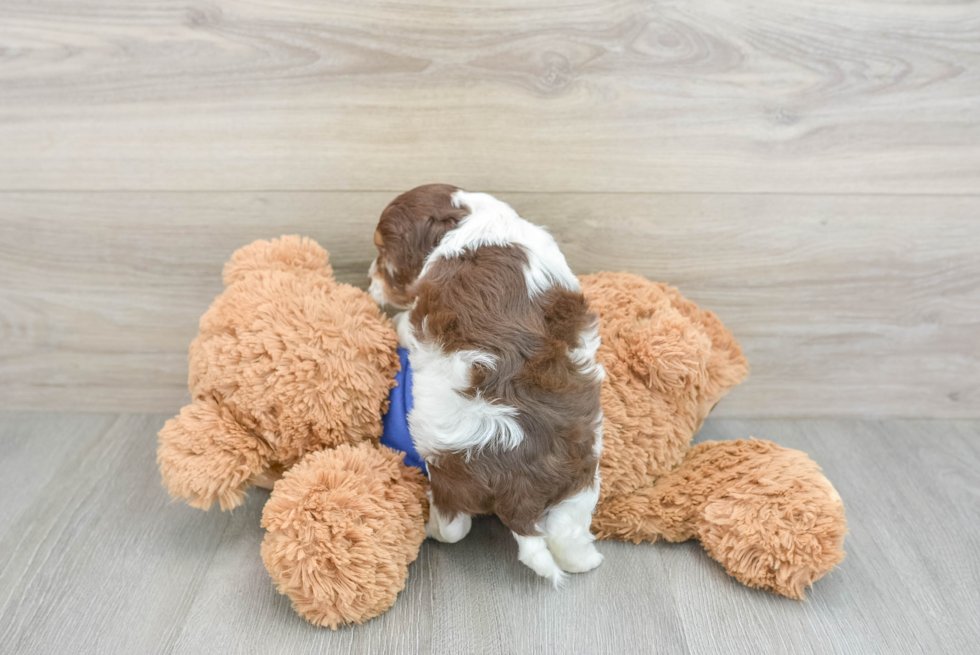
(206, 456)
(287, 253)
(645, 335)
(667, 352)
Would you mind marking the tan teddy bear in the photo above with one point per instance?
(290, 376)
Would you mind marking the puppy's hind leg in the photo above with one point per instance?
(566, 531)
(533, 551)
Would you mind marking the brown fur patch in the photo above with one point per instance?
(479, 301)
(411, 226)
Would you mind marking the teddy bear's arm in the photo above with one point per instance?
(206, 456)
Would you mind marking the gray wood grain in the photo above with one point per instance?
(94, 559)
(912, 493)
(606, 95)
(860, 305)
(91, 561)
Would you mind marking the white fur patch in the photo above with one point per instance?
(566, 531)
(534, 553)
(568, 544)
(584, 355)
(444, 530)
(403, 328)
(377, 288)
(445, 420)
(492, 222)
(597, 444)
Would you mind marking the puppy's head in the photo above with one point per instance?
(410, 228)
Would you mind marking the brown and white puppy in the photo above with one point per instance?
(506, 384)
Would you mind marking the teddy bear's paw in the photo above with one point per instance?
(206, 456)
(343, 525)
(777, 525)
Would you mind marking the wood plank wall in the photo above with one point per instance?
(810, 171)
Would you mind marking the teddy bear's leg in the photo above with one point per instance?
(774, 521)
(206, 456)
(343, 525)
(764, 512)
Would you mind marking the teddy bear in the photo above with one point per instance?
(292, 372)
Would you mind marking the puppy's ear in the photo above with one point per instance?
(441, 220)
(448, 216)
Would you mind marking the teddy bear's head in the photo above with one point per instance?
(667, 363)
(287, 361)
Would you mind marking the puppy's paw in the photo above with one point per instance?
(585, 559)
(448, 532)
(533, 552)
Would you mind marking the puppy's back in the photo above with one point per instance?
(517, 430)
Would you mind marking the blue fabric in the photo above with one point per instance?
(396, 434)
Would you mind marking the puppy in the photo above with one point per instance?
(506, 383)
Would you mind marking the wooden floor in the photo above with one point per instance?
(94, 559)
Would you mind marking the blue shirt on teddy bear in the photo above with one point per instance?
(396, 434)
